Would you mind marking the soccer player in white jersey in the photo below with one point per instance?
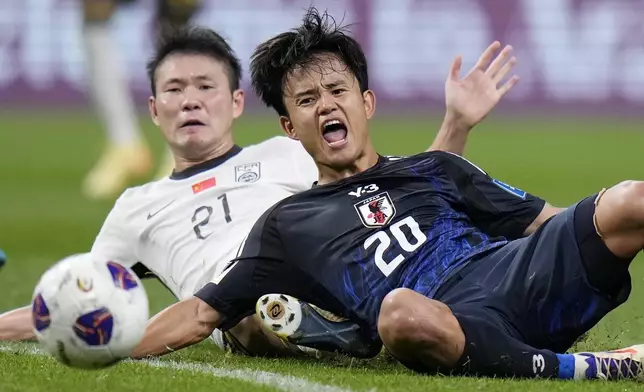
(186, 228)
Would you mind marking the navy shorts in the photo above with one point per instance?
(547, 289)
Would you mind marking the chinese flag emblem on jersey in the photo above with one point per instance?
(203, 185)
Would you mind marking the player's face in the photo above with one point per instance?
(328, 113)
(194, 106)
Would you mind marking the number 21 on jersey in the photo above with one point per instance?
(382, 241)
(201, 217)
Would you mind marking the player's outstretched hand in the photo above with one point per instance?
(471, 98)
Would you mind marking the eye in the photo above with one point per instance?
(306, 101)
(338, 91)
(173, 90)
(205, 87)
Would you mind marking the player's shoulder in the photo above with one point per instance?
(436, 158)
(142, 190)
(134, 197)
(275, 144)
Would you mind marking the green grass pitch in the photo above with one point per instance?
(43, 217)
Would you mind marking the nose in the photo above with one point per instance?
(191, 101)
(327, 104)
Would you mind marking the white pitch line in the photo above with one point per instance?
(275, 380)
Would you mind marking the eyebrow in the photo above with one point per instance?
(327, 86)
(183, 80)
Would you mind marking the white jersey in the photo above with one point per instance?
(187, 228)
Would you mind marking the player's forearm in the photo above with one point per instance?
(16, 325)
(452, 136)
(178, 326)
(547, 212)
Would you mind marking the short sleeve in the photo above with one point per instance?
(114, 240)
(493, 206)
(259, 269)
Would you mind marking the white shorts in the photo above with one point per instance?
(218, 337)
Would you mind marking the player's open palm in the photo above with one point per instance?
(471, 98)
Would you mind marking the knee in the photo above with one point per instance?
(98, 11)
(176, 13)
(624, 201)
(404, 324)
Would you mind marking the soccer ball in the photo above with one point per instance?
(89, 313)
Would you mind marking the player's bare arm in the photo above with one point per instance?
(16, 325)
(180, 325)
(470, 99)
(547, 212)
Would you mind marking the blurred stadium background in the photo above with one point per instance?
(571, 126)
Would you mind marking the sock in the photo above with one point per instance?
(491, 352)
(577, 366)
(108, 86)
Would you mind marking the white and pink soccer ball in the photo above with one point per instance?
(89, 313)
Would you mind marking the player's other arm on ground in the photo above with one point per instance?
(495, 207)
(223, 302)
(113, 242)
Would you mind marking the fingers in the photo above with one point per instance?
(503, 72)
(507, 86)
(487, 56)
(455, 68)
(499, 61)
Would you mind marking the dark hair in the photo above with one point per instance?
(195, 40)
(273, 60)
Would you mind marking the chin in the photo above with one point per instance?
(344, 158)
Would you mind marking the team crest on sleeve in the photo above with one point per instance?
(376, 211)
(510, 189)
(248, 173)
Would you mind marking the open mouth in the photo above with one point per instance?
(334, 132)
(192, 123)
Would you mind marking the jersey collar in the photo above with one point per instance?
(207, 165)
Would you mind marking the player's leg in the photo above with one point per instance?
(533, 287)
(475, 339)
(171, 14)
(311, 330)
(16, 325)
(3, 258)
(619, 218)
(608, 231)
(426, 336)
(249, 338)
(126, 155)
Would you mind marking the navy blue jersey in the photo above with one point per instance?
(407, 222)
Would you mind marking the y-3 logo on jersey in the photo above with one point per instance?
(363, 190)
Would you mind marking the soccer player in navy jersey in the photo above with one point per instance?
(449, 268)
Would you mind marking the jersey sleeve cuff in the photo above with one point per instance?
(208, 294)
(538, 206)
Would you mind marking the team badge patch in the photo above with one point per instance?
(376, 211)
(510, 189)
(248, 173)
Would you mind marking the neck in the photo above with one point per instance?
(329, 174)
(182, 163)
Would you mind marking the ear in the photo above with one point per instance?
(152, 106)
(238, 102)
(369, 103)
(287, 127)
